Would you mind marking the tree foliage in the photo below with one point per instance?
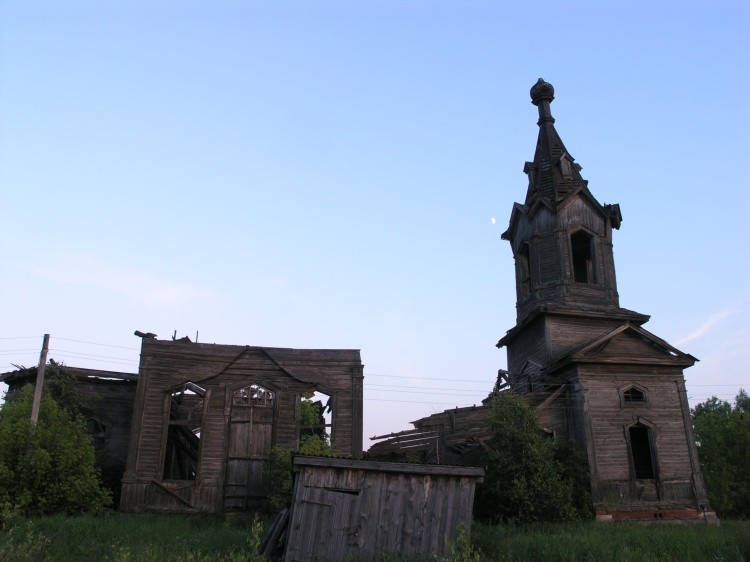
(61, 385)
(277, 464)
(722, 433)
(50, 467)
(314, 441)
(530, 478)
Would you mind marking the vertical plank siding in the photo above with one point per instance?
(360, 510)
(232, 440)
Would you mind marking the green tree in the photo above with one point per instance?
(722, 433)
(530, 478)
(50, 467)
(61, 385)
(316, 441)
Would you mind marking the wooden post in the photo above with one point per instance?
(39, 380)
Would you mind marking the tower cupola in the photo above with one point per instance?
(561, 235)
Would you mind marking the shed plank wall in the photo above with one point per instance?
(391, 512)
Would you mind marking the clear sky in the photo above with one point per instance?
(325, 175)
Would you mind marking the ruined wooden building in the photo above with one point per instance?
(360, 510)
(589, 369)
(111, 396)
(206, 414)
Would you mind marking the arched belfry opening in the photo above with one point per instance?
(582, 251)
(523, 260)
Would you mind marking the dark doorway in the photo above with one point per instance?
(640, 449)
(184, 433)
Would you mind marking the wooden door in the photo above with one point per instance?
(250, 437)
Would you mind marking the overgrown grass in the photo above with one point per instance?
(620, 542)
(127, 538)
(223, 538)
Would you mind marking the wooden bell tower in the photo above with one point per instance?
(587, 365)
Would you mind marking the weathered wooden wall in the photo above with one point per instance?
(614, 479)
(360, 510)
(229, 466)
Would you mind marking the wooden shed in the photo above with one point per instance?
(353, 509)
(206, 414)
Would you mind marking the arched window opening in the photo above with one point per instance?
(184, 433)
(524, 269)
(582, 246)
(98, 433)
(642, 452)
(253, 395)
(633, 395)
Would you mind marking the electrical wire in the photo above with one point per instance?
(426, 378)
(92, 355)
(23, 338)
(101, 344)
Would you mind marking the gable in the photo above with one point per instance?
(627, 344)
(578, 211)
(631, 344)
(255, 365)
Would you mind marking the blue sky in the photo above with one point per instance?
(325, 174)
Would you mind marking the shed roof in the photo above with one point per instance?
(380, 466)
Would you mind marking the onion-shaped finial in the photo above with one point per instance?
(542, 91)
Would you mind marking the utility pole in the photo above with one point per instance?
(39, 380)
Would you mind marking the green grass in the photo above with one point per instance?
(618, 542)
(222, 538)
(126, 538)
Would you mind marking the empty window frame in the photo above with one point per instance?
(97, 430)
(641, 451)
(316, 429)
(582, 250)
(634, 395)
(182, 449)
(253, 395)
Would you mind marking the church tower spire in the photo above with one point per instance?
(589, 369)
(561, 236)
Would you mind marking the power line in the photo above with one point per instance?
(401, 386)
(488, 381)
(414, 402)
(22, 338)
(102, 344)
(130, 364)
(92, 355)
(436, 393)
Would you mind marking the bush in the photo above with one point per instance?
(277, 466)
(49, 468)
(530, 478)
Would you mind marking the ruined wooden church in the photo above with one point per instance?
(614, 387)
(586, 366)
(205, 415)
